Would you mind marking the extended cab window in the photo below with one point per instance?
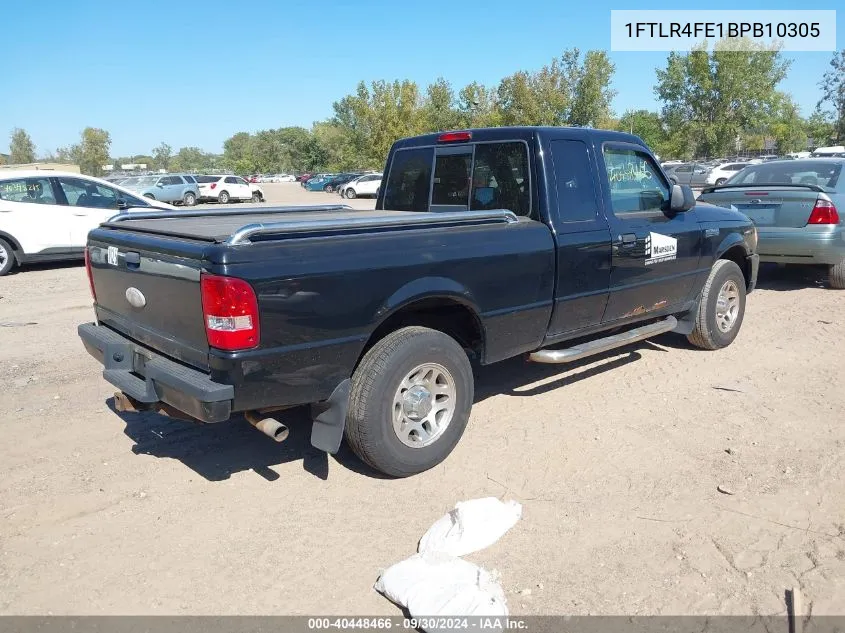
(451, 179)
(635, 182)
(576, 189)
(28, 190)
(409, 181)
(500, 178)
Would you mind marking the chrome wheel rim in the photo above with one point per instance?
(4, 256)
(727, 305)
(424, 405)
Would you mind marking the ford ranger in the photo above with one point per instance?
(485, 244)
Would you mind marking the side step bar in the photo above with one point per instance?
(569, 354)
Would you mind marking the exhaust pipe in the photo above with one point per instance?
(268, 426)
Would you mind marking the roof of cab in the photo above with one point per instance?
(523, 133)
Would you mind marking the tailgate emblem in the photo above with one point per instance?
(135, 298)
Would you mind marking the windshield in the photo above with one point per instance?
(814, 172)
(128, 182)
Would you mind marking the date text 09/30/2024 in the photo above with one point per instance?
(484, 624)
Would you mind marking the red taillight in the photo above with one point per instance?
(213, 185)
(230, 311)
(454, 137)
(90, 274)
(824, 213)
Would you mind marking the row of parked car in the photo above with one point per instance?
(348, 185)
(263, 178)
(189, 189)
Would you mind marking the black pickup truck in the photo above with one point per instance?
(555, 243)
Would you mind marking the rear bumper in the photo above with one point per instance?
(150, 378)
(801, 245)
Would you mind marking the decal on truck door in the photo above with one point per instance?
(660, 248)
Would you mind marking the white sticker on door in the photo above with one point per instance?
(660, 248)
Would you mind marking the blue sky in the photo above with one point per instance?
(194, 73)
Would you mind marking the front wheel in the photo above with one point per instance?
(7, 257)
(721, 308)
(150, 196)
(350, 194)
(836, 276)
(223, 198)
(721, 181)
(410, 401)
(328, 189)
(190, 199)
(256, 197)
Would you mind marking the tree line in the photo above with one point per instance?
(712, 103)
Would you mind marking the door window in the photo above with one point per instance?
(231, 180)
(409, 180)
(81, 193)
(28, 190)
(500, 178)
(576, 189)
(635, 182)
(241, 181)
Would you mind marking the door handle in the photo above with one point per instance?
(81, 215)
(629, 240)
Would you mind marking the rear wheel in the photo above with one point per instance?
(189, 199)
(836, 275)
(7, 257)
(328, 189)
(256, 197)
(721, 181)
(350, 193)
(223, 198)
(410, 401)
(150, 196)
(721, 308)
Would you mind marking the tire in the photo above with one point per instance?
(721, 181)
(350, 194)
(189, 199)
(7, 257)
(256, 197)
(150, 196)
(836, 276)
(713, 331)
(376, 399)
(327, 189)
(223, 197)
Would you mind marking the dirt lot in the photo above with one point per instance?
(616, 461)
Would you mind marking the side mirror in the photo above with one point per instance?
(122, 204)
(158, 184)
(681, 198)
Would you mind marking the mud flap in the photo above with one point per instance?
(330, 419)
(686, 324)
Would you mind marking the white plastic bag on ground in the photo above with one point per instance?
(471, 526)
(436, 584)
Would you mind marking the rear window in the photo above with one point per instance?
(189, 179)
(207, 179)
(500, 178)
(409, 181)
(812, 172)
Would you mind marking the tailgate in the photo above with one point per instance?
(151, 297)
(767, 206)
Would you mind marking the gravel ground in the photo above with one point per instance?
(616, 461)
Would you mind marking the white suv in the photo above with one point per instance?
(225, 189)
(45, 215)
(367, 185)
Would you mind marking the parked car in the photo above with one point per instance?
(321, 183)
(333, 184)
(795, 205)
(522, 244)
(303, 177)
(692, 174)
(46, 215)
(173, 188)
(227, 188)
(719, 175)
(362, 186)
(285, 178)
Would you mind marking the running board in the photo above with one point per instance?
(569, 354)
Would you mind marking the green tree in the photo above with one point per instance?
(191, 159)
(21, 148)
(439, 111)
(91, 153)
(786, 126)
(820, 130)
(162, 155)
(833, 95)
(709, 99)
(477, 107)
(647, 125)
(238, 153)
